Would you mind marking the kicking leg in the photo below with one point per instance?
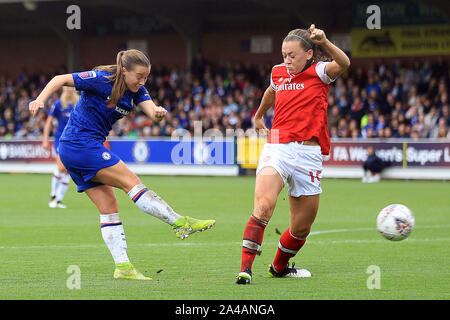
(120, 176)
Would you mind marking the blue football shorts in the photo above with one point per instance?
(83, 159)
(56, 145)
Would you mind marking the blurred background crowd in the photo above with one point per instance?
(378, 101)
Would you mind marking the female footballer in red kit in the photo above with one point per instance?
(293, 155)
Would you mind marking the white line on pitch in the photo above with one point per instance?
(239, 243)
(200, 244)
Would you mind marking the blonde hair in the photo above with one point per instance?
(65, 100)
(127, 59)
(304, 38)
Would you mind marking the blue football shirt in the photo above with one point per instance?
(93, 116)
(61, 114)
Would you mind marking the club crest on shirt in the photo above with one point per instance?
(106, 155)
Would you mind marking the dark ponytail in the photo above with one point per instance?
(304, 38)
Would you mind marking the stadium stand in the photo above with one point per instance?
(395, 100)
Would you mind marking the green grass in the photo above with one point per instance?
(38, 244)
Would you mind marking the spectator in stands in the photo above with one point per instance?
(381, 124)
(334, 116)
(387, 132)
(445, 113)
(389, 103)
(441, 130)
(415, 134)
(403, 131)
(430, 121)
(357, 109)
(370, 126)
(373, 85)
(356, 134)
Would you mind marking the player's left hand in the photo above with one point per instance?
(160, 113)
(317, 35)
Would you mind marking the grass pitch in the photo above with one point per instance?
(38, 244)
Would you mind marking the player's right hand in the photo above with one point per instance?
(46, 145)
(317, 35)
(34, 106)
(260, 127)
(160, 113)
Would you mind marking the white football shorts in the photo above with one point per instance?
(299, 165)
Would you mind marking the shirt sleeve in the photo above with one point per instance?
(141, 95)
(88, 80)
(321, 72)
(272, 84)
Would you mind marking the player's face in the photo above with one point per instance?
(295, 56)
(136, 77)
(69, 91)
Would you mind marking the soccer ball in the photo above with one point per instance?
(395, 222)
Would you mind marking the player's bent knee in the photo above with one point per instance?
(130, 184)
(264, 210)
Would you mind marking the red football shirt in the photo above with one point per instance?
(301, 105)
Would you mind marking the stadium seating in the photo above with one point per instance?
(383, 101)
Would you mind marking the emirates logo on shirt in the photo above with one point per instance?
(290, 86)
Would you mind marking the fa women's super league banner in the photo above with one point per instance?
(396, 154)
(352, 153)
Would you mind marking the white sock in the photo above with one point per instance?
(55, 182)
(149, 202)
(63, 186)
(114, 237)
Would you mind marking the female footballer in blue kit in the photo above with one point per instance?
(60, 110)
(108, 93)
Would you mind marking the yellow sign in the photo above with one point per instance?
(401, 41)
(248, 151)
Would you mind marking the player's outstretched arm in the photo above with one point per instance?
(54, 85)
(152, 111)
(340, 61)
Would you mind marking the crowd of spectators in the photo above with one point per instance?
(391, 101)
(394, 100)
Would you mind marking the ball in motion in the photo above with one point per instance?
(395, 222)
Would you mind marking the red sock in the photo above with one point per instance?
(253, 236)
(288, 247)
